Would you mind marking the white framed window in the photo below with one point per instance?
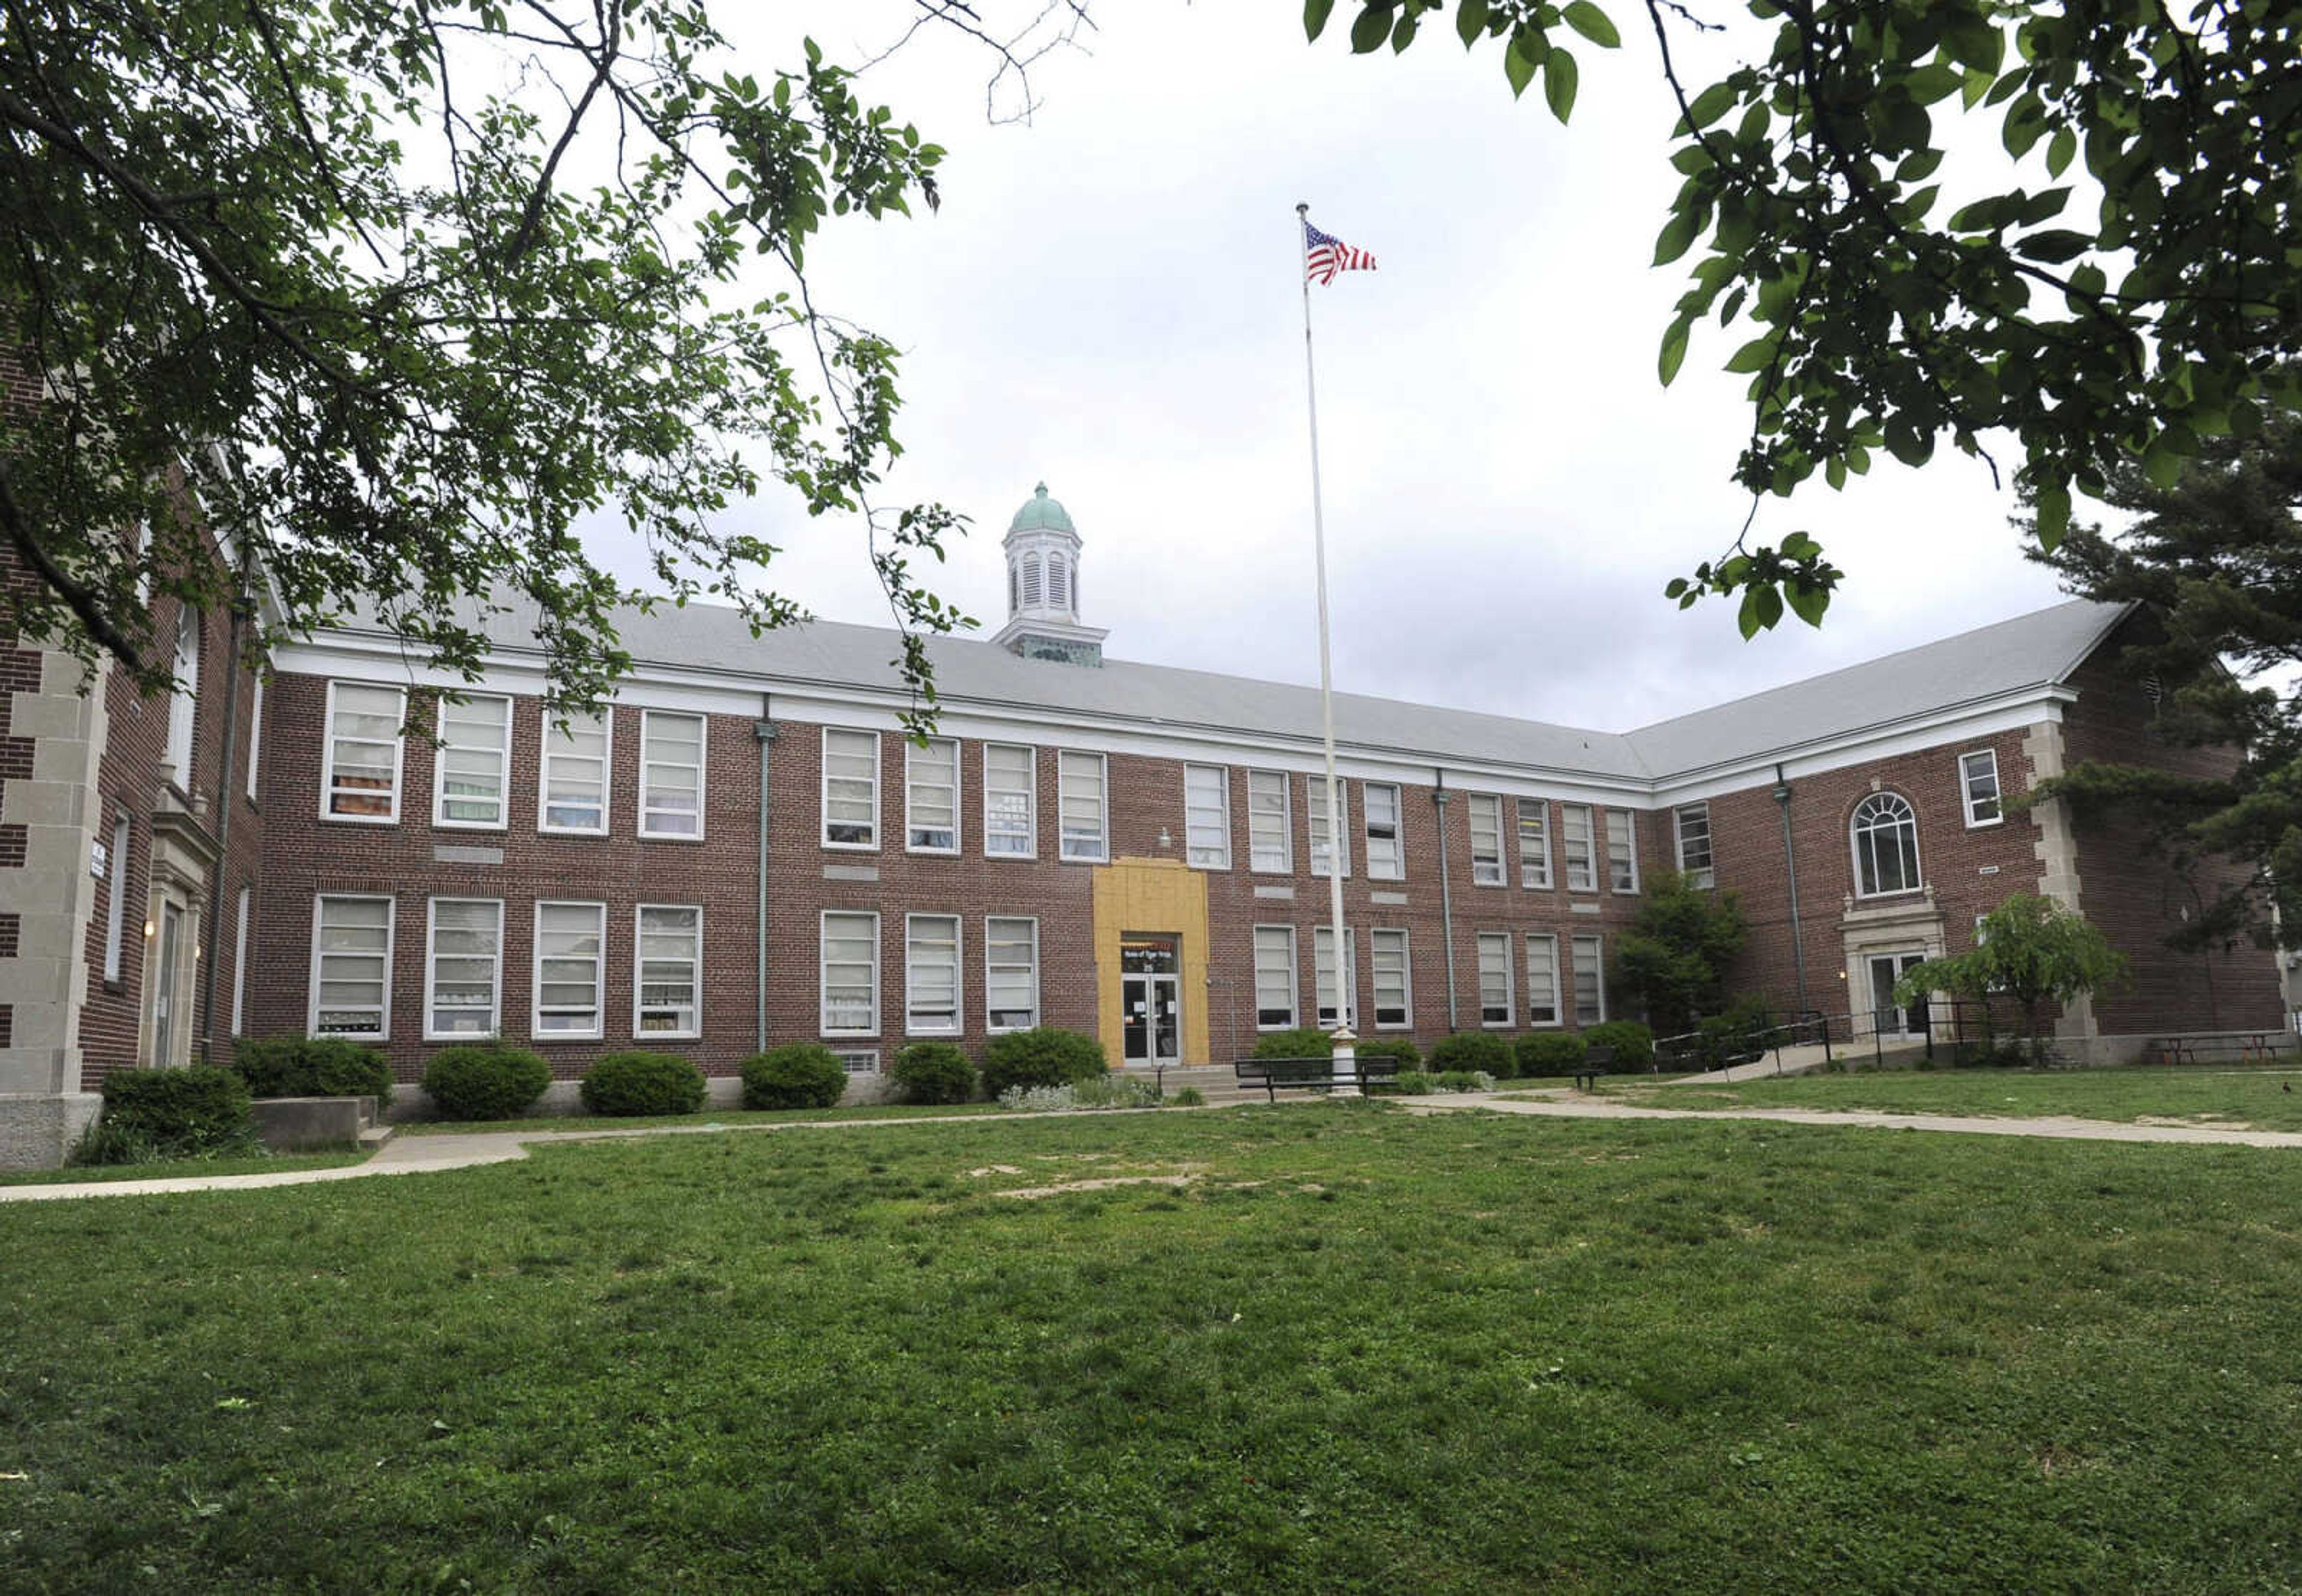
(351, 967)
(1274, 977)
(931, 975)
(1486, 813)
(571, 788)
(671, 774)
(1534, 843)
(851, 788)
(1622, 851)
(1394, 981)
(1691, 824)
(1315, 812)
(1207, 816)
(359, 777)
(667, 969)
(1495, 980)
(1541, 979)
(255, 732)
(463, 969)
(849, 980)
(571, 945)
(471, 762)
(858, 1061)
(1080, 795)
(1978, 784)
(931, 797)
(1270, 833)
(240, 963)
(1885, 832)
(1323, 975)
(1011, 802)
(1011, 972)
(1386, 854)
(1575, 845)
(115, 903)
(1590, 986)
(183, 701)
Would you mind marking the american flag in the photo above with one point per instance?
(1323, 257)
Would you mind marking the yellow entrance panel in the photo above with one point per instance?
(1154, 897)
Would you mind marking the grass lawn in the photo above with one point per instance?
(1359, 1350)
(2256, 1097)
(704, 1116)
(262, 1164)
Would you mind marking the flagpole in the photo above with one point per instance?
(1346, 1052)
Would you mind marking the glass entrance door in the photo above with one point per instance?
(1151, 998)
(1889, 1019)
(164, 988)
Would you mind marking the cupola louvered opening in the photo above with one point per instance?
(1030, 581)
(1057, 584)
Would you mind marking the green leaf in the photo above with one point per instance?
(1315, 13)
(2162, 462)
(1471, 21)
(1372, 29)
(1800, 546)
(1674, 350)
(2053, 245)
(1710, 105)
(1677, 237)
(1762, 606)
(1518, 67)
(2059, 151)
(1403, 34)
(1753, 357)
(1808, 601)
(2054, 518)
(1560, 75)
(1593, 24)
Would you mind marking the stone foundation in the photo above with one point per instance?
(38, 1128)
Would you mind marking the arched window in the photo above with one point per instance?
(1031, 580)
(1055, 582)
(1886, 832)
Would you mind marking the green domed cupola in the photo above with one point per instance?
(1043, 591)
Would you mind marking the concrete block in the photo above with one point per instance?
(293, 1124)
(39, 1071)
(37, 1130)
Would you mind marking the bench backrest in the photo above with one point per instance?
(1602, 1057)
(1311, 1069)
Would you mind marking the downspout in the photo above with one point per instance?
(1439, 796)
(1790, 875)
(223, 817)
(764, 730)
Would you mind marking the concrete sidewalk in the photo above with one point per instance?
(421, 1155)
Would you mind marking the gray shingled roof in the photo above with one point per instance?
(2031, 650)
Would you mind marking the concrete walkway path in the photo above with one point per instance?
(421, 1155)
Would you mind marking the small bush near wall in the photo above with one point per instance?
(150, 1114)
(624, 1084)
(934, 1072)
(1303, 1042)
(1463, 1081)
(1406, 1054)
(1044, 1055)
(1550, 1053)
(1634, 1044)
(1474, 1050)
(296, 1065)
(1743, 1033)
(485, 1082)
(800, 1075)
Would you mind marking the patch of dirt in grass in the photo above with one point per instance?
(1030, 1192)
(2220, 1122)
(993, 1169)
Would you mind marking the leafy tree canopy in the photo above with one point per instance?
(2029, 948)
(2138, 303)
(1674, 959)
(389, 296)
(2216, 558)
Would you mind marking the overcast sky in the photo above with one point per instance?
(1109, 301)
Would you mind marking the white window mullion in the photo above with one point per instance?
(1486, 815)
(1534, 843)
(931, 966)
(1691, 824)
(1083, 798)
(1575, 841)
(471, 762)
(1270, 835)
(1590, 984)
(848, 978)
(1207, 816)
(572, 785)
(1394, 981)
(1622, 851)
(671, 776)
(1011, 802)
(1978, 783)
(351, 967)
(359, 775)
(931, 797)
(570, 961)
(1011, 972)
(1494, 980)
(851, 788)
(1541, 979)
(1386, 858)
(667, 969)
(463, 969)
(1274, 977)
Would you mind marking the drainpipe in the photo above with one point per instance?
(764, 730)
(1439, 796)
(1790, 875)
(223, 813)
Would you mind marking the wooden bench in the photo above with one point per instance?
(1596, 1062)
(2200, 1047)
(1275, 1075)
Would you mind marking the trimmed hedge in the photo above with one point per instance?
(796, 1075)
(1634, 1044)
(169, 1114)
(295, 1065)
(1474, 1050)
(484, 1082)
(626, 1084)
(1302, 1042)
(1550, 1053)
(1409, 1056)
(934, 1072)
(1043, 1056)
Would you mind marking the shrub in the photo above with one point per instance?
(1044, 1055)
(485, 1081)
(1303, 1042)
(1474, 1050)
(798, 1075)
(1736, 1037)
(296, 1065)
(1549, 1052)
(1411, 1083)
(1463, 1081)
(1634, 1044)
(170, 1113)
(1191, 1097)
(932, 1072)
(1406, 1053)
(1104, 1091)
(623, 1084)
